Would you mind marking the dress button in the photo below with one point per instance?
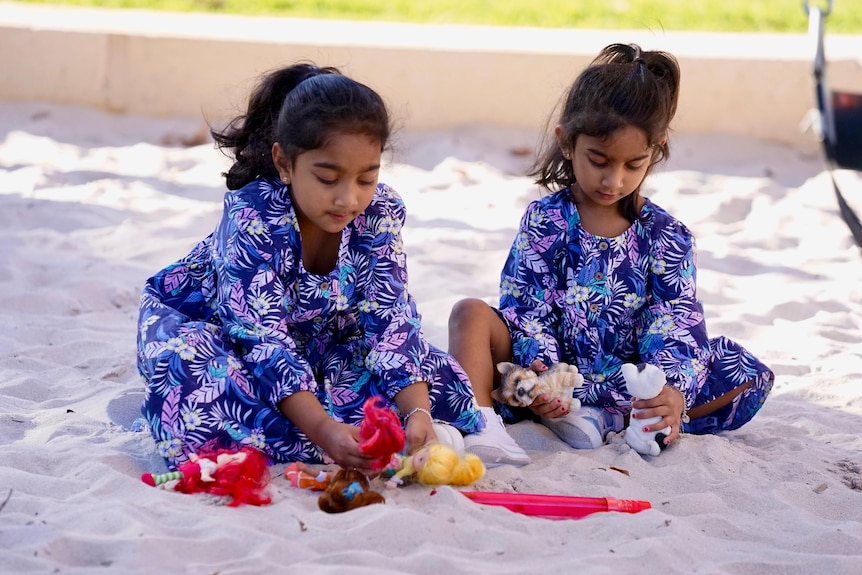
(603, 245)
(324, 286)
(594, 307)
(599, 276)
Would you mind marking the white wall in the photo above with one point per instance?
(432, 76)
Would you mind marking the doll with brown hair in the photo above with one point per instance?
(348, 489)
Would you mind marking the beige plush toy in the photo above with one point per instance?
(644, 381)
(519, 386)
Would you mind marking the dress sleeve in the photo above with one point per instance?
(672, 332)
(391, 325)
(250, 295)
(531, 283)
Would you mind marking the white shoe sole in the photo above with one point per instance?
(495, 457)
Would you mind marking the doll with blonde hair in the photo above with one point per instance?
(439, 464)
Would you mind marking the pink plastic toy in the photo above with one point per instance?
(556, 506)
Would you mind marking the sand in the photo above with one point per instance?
(92, 204)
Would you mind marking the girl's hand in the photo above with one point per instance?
(418, 428)
(543, 406)
(341, 442)
(668, 405)
(419, 431)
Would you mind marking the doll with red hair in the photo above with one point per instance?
(241, 475)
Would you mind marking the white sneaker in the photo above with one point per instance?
(450, 436)
(494, 445)
(585, 428)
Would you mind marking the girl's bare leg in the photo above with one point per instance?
(478, 340)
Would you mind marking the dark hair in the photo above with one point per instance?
(300, 107)
(623, 86)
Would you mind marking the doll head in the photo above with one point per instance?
(348, 490)
(439, 464)
(380, 432)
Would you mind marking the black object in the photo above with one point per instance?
(840, 121)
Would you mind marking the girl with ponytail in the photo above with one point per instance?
(278, 326)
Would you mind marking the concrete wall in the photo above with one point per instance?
(159, 64)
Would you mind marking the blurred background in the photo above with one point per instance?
(747, 65)
(774, 16)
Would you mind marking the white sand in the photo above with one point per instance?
(92, 204)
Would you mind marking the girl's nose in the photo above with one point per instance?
(348, 195)
(613, 178)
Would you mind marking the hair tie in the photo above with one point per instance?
(352, 490)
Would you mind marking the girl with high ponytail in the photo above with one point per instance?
(599, 276)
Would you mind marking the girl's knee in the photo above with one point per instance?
(469, 310)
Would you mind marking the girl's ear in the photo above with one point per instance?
(657, 150)
(282, 163)
(564, 142)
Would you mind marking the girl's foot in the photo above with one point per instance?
(494, 445)
(585, 428)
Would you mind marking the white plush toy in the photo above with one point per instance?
(644, 381)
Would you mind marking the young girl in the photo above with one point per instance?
(278, 326)
(598, 276)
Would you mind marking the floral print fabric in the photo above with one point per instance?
(597, 303)
(239, 324)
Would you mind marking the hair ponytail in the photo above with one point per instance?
(623, 86)
(248, 138)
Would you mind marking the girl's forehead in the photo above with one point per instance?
(343, 153)
(628, 141)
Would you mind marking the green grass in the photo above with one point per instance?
(713, 15)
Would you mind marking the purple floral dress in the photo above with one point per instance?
(239, 324)
(596, 302)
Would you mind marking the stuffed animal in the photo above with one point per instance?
(519, 386)
(644, 381)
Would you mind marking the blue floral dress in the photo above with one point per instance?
(239, 324)
(596, 302)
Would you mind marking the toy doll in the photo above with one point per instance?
(348, 489)
(243, 475)
(380, 432)
(303, 476)
(438, 464)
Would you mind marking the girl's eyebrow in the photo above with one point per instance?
(336, 168)
(604, 155)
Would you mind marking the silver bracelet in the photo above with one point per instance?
(684, 418)
(418, 410)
